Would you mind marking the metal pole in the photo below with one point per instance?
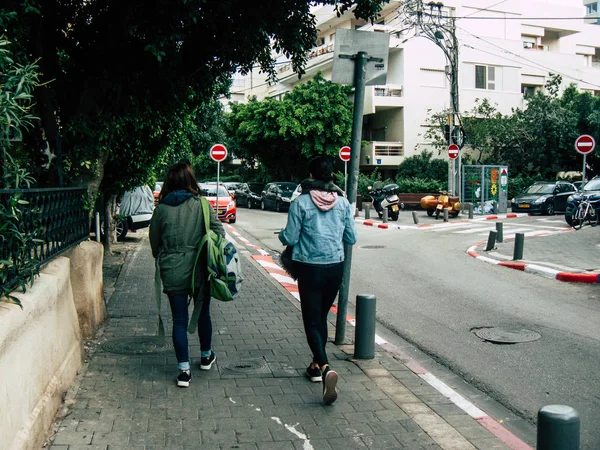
(583, 171)
(97, 226)
(364, 340)
(384, 215)
(445, 214)
(499, 231)
(491, 241)
(558, 428)
(218, 172)
(346, 177)
(470, 208)
(367, 211)
(360, 71)
(519, 242)
(415, 218)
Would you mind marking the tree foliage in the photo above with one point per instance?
(315, 118)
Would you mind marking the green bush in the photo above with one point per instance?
(424, 185)
(423, 166)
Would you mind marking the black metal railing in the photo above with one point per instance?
(39, 224)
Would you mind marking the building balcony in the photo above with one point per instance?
(381, 153)
(379, 98)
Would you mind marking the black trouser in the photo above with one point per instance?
(318, 286)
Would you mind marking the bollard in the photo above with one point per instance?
(359, 204)
(470, 207)
(367, 211)
(97, 227)
(445, 214)
(558, 428)
(519, 241)
(364, 336)
(495, 207)
(385, 215)
(415, 218)
(491, 241)
(499, 232)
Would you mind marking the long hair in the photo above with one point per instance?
(179, 178)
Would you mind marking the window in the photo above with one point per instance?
(485, 77)
(320, 41)
(591, 9)
(529, 90)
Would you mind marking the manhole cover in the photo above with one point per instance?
(371, 247)
(139, 345)
(246, 366)
(506, 335)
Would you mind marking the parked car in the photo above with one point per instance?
(590, 189)
(231, 186)
(227, 211)
(277, 195)
(248, 194)
(544, 197)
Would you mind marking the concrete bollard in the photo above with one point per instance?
(364, 336)
(415, 218)
(495, 207)
(445, 214)
(359, 202)
(470, 209)
(367, 212)
(97, 227)
(558, 428)
(385, 215)
(499, 232)
(491, 241)
(519, 242)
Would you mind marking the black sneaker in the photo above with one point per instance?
(330, 379)
(314, 373)
(183, 380)
(206, 363)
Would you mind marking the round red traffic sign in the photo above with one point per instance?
(453, 151)
(218, 152)
(345, 153)
(585, 144)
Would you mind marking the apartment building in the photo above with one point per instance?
(506, 51)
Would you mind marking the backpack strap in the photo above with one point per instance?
(193, 324)
(157, 296)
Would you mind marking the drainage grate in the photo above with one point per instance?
(371, 247)
(506, 335)
(139, 345)
(246, 366)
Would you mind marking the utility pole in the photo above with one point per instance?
(436, 22)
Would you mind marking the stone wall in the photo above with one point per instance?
(41, 345)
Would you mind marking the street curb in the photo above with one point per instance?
(387, 226)
(553, 274)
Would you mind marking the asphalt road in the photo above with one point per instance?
(432, 294)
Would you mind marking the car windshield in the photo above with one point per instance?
(210, 190)
(287, 186)
(592, 185)
(540, 189)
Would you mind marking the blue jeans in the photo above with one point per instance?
(179, 309)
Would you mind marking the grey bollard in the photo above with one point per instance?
(385, 215)
(491, 241)
(359, 203)
(367, 211)
(519, 242)
(499, 232)
(415, 218)
(364, 336)
(495, 206)
(470, 207)
(97, 227)
(558, 428)
(445, 214)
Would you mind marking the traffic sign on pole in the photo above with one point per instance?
(453, 151)
(218, 152)
(585, 144)
(345, 153)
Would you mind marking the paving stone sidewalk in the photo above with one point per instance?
(256, 396)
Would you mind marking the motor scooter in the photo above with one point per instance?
(435, 205)
(385, 197)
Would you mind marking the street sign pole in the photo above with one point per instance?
(218, 153)
(218, 173)
(584, 144)
(346, 177)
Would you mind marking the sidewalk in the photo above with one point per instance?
(256, 396)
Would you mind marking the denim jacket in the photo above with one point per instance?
(318, 236)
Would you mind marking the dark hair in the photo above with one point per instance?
(321, 168)
(179, 178)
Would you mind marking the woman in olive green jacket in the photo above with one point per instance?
(176, 230)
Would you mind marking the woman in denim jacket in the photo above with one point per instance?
(319, 222)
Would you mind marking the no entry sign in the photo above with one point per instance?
(218, 152)
(345, 153)
(453, 151)
(585, 144)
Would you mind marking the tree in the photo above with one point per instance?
(423, 166)
(315, 118)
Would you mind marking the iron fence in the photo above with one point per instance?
(38, 224)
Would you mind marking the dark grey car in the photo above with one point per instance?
(544, 197)
(277, 196)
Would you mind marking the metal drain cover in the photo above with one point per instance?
(371, 247)
(246, 366)
(506, 335)
(139, 345)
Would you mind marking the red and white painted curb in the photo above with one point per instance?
(265, 260)
(386, 226)
(553, 274)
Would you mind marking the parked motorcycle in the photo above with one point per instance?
(385, 197)
(435, 205)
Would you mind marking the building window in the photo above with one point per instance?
(320, 41)
(529, 90)
(591, 9)
(485, 77)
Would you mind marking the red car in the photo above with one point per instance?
(227, 208)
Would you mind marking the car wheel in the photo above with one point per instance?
(549, 209)
(232, 220)
(262, 205)
(121, 227)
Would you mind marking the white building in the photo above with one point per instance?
(506, 52)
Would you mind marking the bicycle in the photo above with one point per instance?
(586, 210)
